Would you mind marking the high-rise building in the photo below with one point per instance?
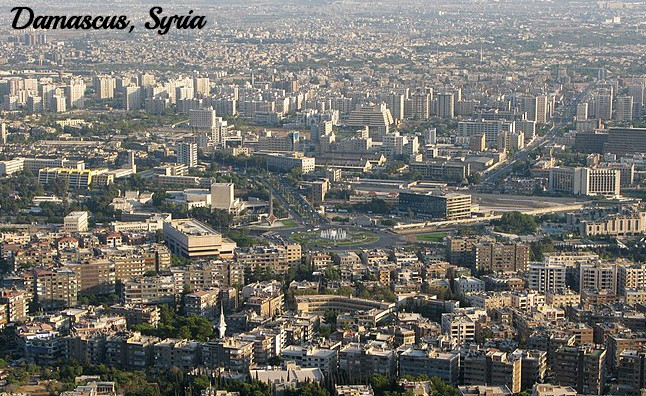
(445, 105)
(16, 302)
(624, 108)
(223, 196)
(47, 92)
(498, 257)
(590, 142)
(132, 98)
(376, 117)
(535, 108)
(206, 120)
(396, 105)
(527, 127)
(131, 161)
(430, 136)
(104, 87)
(59, 104)
(146, 79)
(582, 111)
(601, 106)
(637, 92)
(319, 189)
(420, 105)
(581, 367)
(202, 86)
(541, 109)
(511, 141)
(631, 277)
(3, 133)
(598, 276)
(55, 289)
(34, 104)
(461, 250)
(202, 118)
(585, 181)
(544, 277)
(631, 372)
(75, 93)
(533, 366)
(187, 154)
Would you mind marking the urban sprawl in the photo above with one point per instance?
(327, 198)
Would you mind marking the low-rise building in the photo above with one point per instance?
(191, 238)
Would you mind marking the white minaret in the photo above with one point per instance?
(222, 326)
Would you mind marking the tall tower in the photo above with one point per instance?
(131, 161)
(271, 218)
(3, 133)
(222, 326)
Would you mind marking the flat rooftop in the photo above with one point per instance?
(193, 227)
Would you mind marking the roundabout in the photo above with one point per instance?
(334, 237)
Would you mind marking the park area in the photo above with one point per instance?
(431, 237)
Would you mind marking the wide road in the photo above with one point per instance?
(522, 155)
(279, 196)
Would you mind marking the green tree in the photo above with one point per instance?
(516, 223)
(200, 383)
(538, 248)
(184, 332)
(309, 389)
(381, 384)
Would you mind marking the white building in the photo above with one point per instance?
(489, 128)
(544, 276)
(193, 239)
(187, 154)
(468, 284)
(76, 222)
(223, 197)
(598, 276)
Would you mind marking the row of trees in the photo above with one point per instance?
(174, 381)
